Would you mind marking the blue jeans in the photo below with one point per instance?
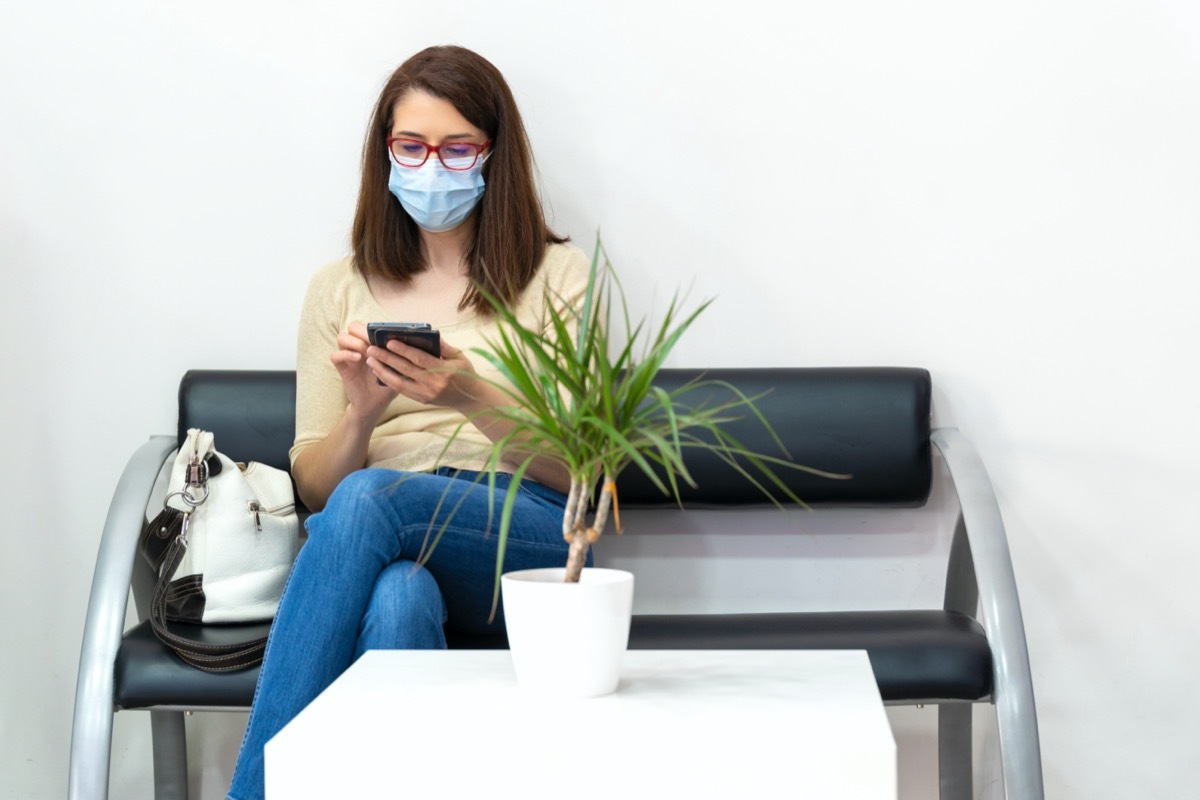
(356, 586)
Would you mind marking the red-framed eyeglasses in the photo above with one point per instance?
(453, 155)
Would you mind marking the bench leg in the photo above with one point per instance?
(955, 751)
(91, 744)
(170, 755)
(1020, 749)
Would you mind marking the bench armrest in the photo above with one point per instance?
(1000, 607)
(106, 612)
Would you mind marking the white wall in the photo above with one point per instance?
(1005, 193)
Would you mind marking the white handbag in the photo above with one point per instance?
(222, 541)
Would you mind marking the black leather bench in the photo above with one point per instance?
(871, 423)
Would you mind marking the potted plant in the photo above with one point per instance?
(589, 401)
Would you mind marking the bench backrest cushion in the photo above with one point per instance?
(252, 413)
(869, 422)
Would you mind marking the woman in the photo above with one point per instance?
(447, 206)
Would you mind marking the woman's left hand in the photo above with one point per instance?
(446, 381)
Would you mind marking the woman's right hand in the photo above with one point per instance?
(367, 399)
(320, 466)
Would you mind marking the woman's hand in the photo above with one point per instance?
(367, 399)
(451, 381)
(447, 381)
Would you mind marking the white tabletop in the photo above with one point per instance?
(683, 723)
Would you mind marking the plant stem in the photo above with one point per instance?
(579, 520)
(577, 556)
(574, 520)
(582, 536)
(569, 511)
(606, 498)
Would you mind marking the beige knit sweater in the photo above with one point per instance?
(410, 435)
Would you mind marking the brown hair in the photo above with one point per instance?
(510, 231)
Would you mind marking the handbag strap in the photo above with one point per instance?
(204, 655)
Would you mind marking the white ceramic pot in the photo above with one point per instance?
(568, 639)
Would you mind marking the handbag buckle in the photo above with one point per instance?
(196, 477)
(197, 471)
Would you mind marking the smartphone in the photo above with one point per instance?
(415, 334)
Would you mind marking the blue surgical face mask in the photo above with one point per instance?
(438, 199)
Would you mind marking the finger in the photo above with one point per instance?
(409, 360)
(387, 362)
(351, 344)
(449, 351)
(388, 358)
(358, 331)
(386, 376)
(341, 358)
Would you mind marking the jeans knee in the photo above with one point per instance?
(406, 610)
(406, 585)
(364, 486)
(359, 504)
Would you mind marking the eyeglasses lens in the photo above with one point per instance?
(458, 156)
(408, 153)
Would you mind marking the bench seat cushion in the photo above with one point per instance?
(148, 674)
(916, 655)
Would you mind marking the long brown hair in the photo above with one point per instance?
(510, 231)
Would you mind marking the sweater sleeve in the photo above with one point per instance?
(320, 398)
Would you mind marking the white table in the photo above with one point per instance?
(683, 723)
